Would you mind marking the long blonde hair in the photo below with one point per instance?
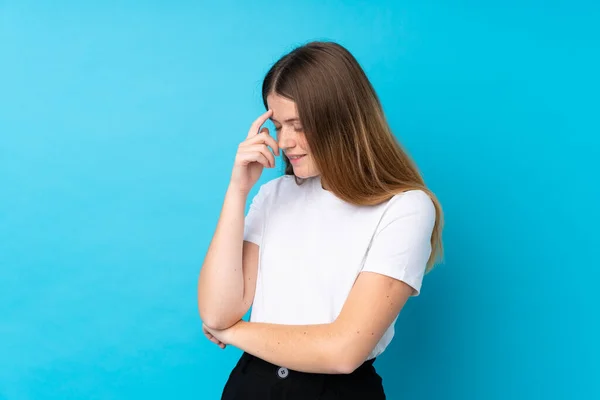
(345, 125)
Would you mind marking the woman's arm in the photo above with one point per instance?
(228, 276)
(392, 272)
(340, 347)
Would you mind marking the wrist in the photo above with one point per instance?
(235, 332)
(237, 191)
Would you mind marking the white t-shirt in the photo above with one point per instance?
(313, 245)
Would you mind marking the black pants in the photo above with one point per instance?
(254, 379)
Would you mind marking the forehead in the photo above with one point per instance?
(283, 108)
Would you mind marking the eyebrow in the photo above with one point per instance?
(287, 120)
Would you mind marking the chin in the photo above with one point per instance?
(304, 175)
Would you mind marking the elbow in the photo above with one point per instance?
(216, 323)
(216, 320)
(346, 367)
(346, 359)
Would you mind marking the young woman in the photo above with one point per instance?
(329, 252)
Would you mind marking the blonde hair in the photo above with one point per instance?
(343, 119)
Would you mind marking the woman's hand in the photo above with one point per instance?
(220, 337)
(253, 155)
(211, 337)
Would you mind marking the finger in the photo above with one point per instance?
(266, 138)
(213, 339)
(246, 158)
(258, 123)
(264, 150)
(254, 156)
(208, 334)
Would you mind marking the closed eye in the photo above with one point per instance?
(297, 129)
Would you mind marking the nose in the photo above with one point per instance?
(287, 138)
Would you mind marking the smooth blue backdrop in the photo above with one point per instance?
(119, 122)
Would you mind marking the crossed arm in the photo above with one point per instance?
(339, 347)
(402, 248)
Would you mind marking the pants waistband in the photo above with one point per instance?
(259, 365)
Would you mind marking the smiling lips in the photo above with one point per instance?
(295, 158)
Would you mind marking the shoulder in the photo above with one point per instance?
(286, 184)
(277, 187)
(412, 203)
(277, 184)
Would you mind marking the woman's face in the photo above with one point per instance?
(290, 135)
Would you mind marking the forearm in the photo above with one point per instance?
(306, 348)
(221, 281)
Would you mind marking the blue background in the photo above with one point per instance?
(119, 122)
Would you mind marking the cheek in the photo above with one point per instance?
(304, 145)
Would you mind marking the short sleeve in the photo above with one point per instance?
(254, 220)
(401, 245)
